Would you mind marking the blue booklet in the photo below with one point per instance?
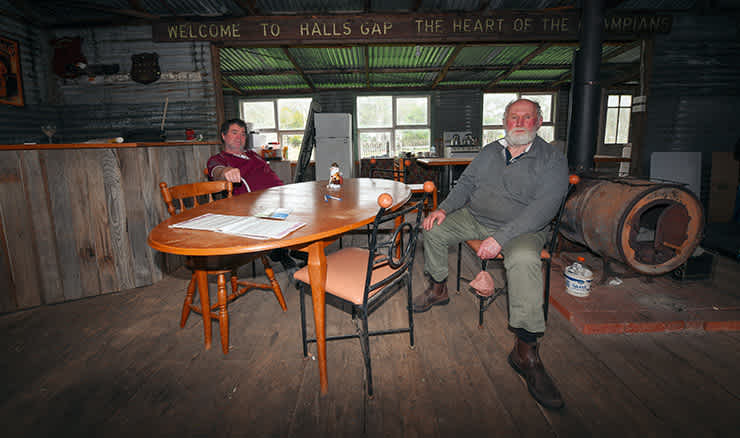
(276, 213)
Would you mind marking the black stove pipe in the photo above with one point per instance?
(586, 90)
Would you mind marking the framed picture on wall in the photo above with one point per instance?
(11, 81)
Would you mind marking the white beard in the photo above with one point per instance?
(521, 139)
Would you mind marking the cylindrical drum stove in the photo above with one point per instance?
(651, 227)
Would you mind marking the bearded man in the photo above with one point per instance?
(506, 197)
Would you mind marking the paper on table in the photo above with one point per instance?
(246, 226)
(275, 213)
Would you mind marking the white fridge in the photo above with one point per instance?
(333, 144)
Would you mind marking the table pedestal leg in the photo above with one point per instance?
(317, 277)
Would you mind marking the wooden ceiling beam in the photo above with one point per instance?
(367, 66)
(248, 6)
(125, 12)
(447, 65)
(168, 7)
(634, 73)
(542, 47)
(483, 5)
(136, 5)
(30, 14)
(390, 89)
(367, 70)
(565, 77)
(229, 84)
(290, 57)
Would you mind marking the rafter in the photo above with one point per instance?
(229, 84)
(483, 5)
(366, 70)
(367, 66)
(125, 12)
(298, 68)
(542, 47)
(29, 12)
(447, 65)
(392, 89)
(248, 6)
(168, 7)
(136, 5)
(565, 77)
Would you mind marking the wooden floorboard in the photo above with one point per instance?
(120, 365)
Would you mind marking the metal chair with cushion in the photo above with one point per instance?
(188, 196)
(364, 279)
(545, 255)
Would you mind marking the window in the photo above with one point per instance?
(494, 105)
(393, 125)
(618, 111)
(279, 120)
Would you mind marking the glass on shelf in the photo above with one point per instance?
(49, 129)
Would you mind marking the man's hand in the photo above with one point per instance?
(437, 216)
(231, 174)
(489, 248)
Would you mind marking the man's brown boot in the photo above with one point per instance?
(525, 359)
(434, 295)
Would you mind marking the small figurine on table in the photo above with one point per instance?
(335, 177)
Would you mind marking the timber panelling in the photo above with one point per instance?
(7, 296)
(34, 173)
(74, 222)
(155, 209)
(115, 200)
(172, 170)
(135, 219)
(69, 265)
(19, 237)
(82, 234)
(100, 223)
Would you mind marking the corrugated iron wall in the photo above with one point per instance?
(108, 105)
(21, 124)
(695, 87)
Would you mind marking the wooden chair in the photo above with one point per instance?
(399, 173)
(184, 196)
(545, 256)
(364, 279)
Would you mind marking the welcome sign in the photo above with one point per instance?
(502, 26)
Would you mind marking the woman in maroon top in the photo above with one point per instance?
(247, 170)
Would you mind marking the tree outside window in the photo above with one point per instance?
(393, 125)
(279, 120)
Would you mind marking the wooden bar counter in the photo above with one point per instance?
(74, 217)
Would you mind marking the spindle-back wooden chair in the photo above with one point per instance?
(181, 197)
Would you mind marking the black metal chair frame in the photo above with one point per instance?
(485, 302)
(380, 253)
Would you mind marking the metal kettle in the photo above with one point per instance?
(455, 141)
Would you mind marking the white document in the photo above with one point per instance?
(246, 226)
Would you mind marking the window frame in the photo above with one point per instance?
(276, 118)
(606, 107)
(553, 112)
(393, 152)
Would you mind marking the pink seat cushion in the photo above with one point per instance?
(345, 274)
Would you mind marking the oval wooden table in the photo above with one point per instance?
(325, 222)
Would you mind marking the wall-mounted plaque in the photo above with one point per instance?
(11, 81)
